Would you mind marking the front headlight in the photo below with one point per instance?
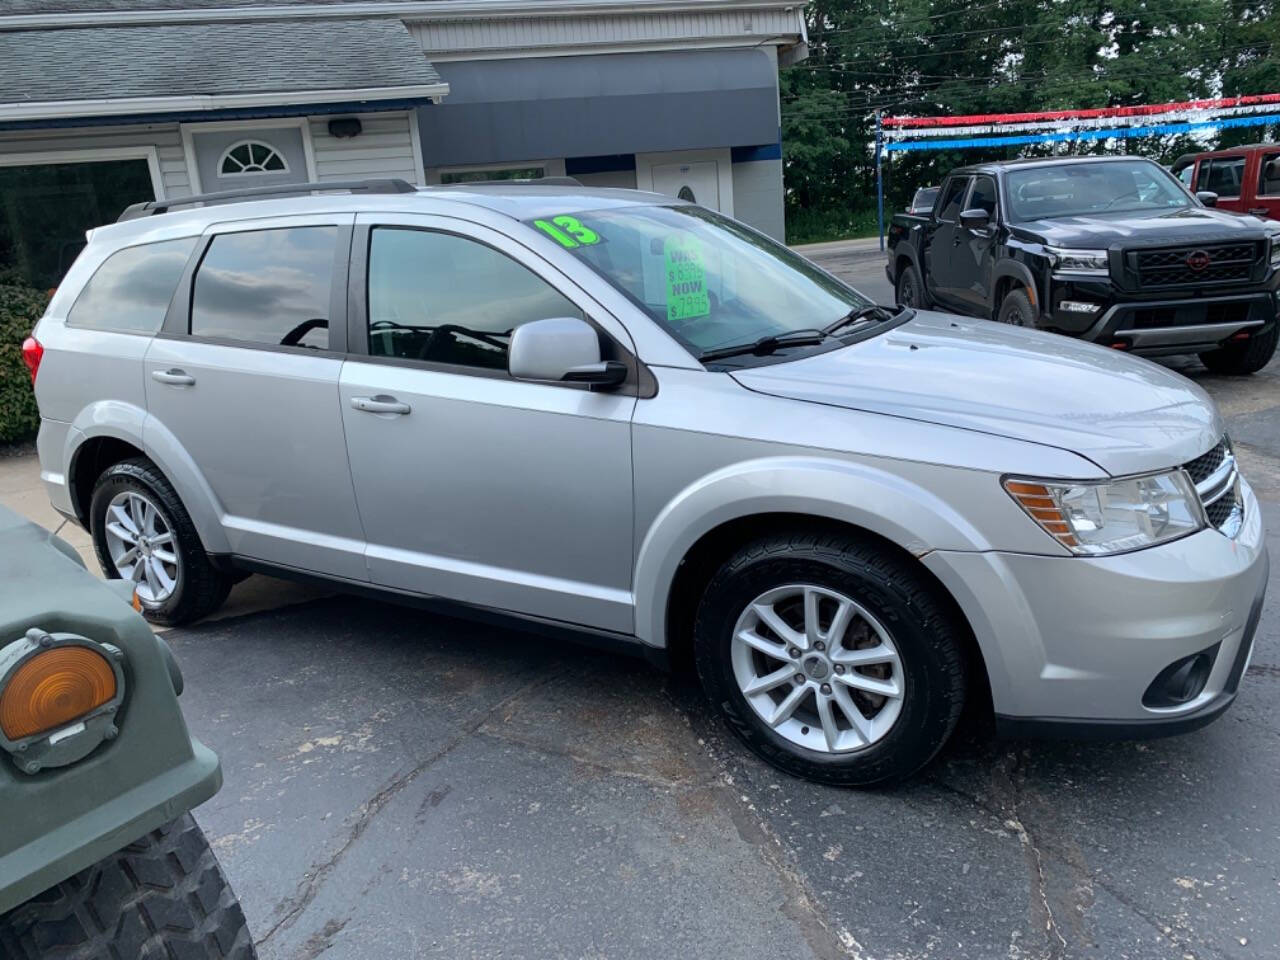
(1275, 249)
(1092, 262)
(1095, 518)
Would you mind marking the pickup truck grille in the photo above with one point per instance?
(1217, 484)
(1185, 266)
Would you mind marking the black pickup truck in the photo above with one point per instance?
(1109, 249)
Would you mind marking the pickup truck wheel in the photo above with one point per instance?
(910, 289)
(160, 898)
(830, 659)
(142, 532)
(1016, 309)
(1246, 356)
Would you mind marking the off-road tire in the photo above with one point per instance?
(924, 629)
(1016, 310)
(910, 287)
(202, 588)
(1245, 357)
(162, 898)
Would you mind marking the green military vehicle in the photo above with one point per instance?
(99, 855)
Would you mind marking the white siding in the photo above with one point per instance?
(384, 148)
(164, 137)
(757, 196)
(527, 35)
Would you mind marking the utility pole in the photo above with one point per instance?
(880, 177)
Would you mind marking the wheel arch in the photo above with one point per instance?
(1008, 275)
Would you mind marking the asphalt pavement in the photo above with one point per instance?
(402, 785)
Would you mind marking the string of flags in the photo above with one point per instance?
(903, 134)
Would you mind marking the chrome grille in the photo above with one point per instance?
(1217, 484)
(1171, 267)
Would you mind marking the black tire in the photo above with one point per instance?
(201, 588)
(1245, 357)
(909, 290)
(928, 638)
(162, 898)
(1016, 310)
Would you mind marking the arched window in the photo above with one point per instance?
(249, 157)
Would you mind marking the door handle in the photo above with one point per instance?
(380, 404)
(174, 377)
(1259, 211)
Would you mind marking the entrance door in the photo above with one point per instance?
(697, 181)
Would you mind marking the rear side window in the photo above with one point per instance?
(949, 210)
(266, 286)
(131, 290)
(1223, 176)
(1269, 175)
(983, 196)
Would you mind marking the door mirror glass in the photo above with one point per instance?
(1207, 197)
(561, 350)
(975, 218)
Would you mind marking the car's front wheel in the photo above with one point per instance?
(143, 533)
(162, 897)
(1245, 356)
(831, 658)
(1016, 310)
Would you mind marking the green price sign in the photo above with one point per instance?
(568, 231)
(686, 278)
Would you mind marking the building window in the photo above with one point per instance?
(492, 173)
(249, 157)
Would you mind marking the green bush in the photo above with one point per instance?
(20, 308)
(819, 225)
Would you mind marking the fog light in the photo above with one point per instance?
(1181, 681)
(1079, 306)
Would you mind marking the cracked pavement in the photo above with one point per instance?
(403, 785)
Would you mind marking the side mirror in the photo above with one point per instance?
(561, 350)
(975, 219)
(1207, 197)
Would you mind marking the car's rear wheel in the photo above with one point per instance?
(162, 897)
(1245, 356)
(909, 289)
(143, 533)
(1016, 309)
(831, 658)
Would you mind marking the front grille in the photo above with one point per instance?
(1217, 481)
(1171, 266)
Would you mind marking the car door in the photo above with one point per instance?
(1266, 199)
(243, 379)
(943, 259)
(974, 260)
(472, 485)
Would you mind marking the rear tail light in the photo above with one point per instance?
(32, 353)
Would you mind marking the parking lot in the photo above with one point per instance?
(402, 785)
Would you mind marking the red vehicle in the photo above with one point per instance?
(1246, 179)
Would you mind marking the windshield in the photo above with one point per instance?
(1075, 189)
(710, 282)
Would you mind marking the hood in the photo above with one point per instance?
(1145, 228)
(1126, 414)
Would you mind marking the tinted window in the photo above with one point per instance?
(131, 291)
(950, 208)
(983, 196)
(922, 202)
(1223, 176)
(266, 286)
(1084, 187)
(447, 299)
(1269, 175)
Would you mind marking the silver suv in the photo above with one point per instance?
(626, 416)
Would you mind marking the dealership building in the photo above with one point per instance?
(103, 104)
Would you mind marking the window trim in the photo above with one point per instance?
(177, 322)
(640, 380)
(252, 142)
(84, 288)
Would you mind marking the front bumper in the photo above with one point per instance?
(1072, 644)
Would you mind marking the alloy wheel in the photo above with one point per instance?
(141, 544)
(818, 668)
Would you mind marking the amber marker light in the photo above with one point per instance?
(1036, 499)
(55, 688)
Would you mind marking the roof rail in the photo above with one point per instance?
(152, 207)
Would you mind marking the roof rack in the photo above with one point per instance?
(522, 182)
(152, 207)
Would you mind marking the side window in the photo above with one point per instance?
(983, 196)
(1269, 175)
(131, 290)
(952, 195)
(1223, 176)
(447, 299)
(266, 286)
(1186, 173)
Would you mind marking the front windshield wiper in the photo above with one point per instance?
(767, 345)
(871, 311)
